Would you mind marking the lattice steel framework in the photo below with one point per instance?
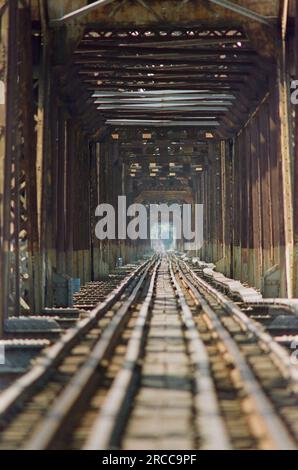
(17, 219)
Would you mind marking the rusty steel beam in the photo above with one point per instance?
(61, 156)
(243, 11)
(185, 82)
(79, 12)
(136, 75)
(295, 167)
(100, 61)
(107, 51)
(165, 98)
(29, 150)
(162, 103)
(266, 200)
(3, 8)
(164, 80)
(165, 114)
(145, 80)
(10, 134)
(177, 92)
(114, 88)
(160, 123)
(3, 61)
(197, 29)
(174, 68)
(285, 144)
(167, 42)
(43, 165)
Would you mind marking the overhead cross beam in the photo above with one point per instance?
(138, 79)
(223, 3)
(161, 123)
(150, 93)
(105, 50)
(244, 12)
(149, 60)
(167, 42)
(166, 98)
(79, 12)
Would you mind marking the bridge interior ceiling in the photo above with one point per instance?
(164, 91)
(207, 78)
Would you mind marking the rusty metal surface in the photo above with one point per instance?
(166, 10)
(154, 71)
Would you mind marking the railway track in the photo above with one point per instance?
(278, 317)
(165, 362)
(26, 401)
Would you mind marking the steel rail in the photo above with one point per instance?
(75, 390)
(279, 352)
(276, 430)
(23, 386)
(212, 431)
(115, 405)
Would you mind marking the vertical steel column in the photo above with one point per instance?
(16, 222)
(245, 206)
(226, 197)
(266, 203)
(256, 202)
(295, 166)
(219, 201)
(43, 167)
(237, 207)
(213, 221)
(215, 214)
(82, 210)
(275, 180)
(79, 216)
(70, 156)
(223, 209)
(60, 242)
(10, 135)
(207, 208)
(93, 203)
(75, 174)
(54, 179)
(96, 201)
(249, 262)
(28, 170)
(3, 60)
(103, 198)
(87, 247)
(283, 79)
